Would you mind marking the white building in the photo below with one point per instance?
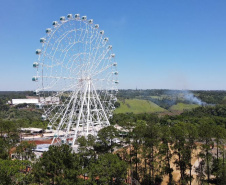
(32, 130)
(42, 100)
(21, 101)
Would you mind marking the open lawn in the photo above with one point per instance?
(156, 97)
(138, 106)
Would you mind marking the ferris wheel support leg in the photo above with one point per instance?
(88, 116)
(62, 119)
(53, 141)
(72, 112)
(57, 116)
(98, 99)
(79, 116)
(97, 115)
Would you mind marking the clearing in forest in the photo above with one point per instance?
(138, 106)
(183, 106)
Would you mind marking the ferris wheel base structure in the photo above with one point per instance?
(90, 117)
(76, 67)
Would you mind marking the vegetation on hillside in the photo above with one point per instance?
(138, 106)
(183, 106)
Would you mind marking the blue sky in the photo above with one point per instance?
(159, 44)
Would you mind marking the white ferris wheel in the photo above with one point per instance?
(76, 78)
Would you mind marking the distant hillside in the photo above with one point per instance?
(166, 98)
(138, 106)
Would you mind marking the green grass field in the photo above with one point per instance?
(138, 106)
(156, 97)
(183, 106)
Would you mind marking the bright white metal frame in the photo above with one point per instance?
(76, 65)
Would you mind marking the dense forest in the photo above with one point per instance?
(150, 147)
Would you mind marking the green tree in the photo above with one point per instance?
(11, 172)
(179, 133)
(206, 135)
(109, 169)
(9, 137)
(152, 135)
(166, 152)
(137, 140)
(59, 165)
(25, 150)
(106, 138)
(192, 135)
(219, 133)
(3, 149)
(87, 155)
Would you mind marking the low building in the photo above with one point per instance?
(22, 101)
(49, 100)
(36, 100)
(32, 130)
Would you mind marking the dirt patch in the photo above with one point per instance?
(39, 142)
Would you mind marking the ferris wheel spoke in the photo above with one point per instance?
(98, 61)
(61, 92)
(102, 70)
(52, 108)
(91, 53)
(56, 42)
(58, 77)
(73, 59)
(98, 42)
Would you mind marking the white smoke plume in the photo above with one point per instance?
(189, 96)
